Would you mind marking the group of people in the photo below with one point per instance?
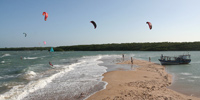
(132, 59)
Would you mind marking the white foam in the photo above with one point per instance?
(186, 73)
(56, 66)
(29, 75)
(97, 91)
(30, 57)
(195, 76)
(9, 76)
(191, 80)
(7, 54)
(182, 78)
(2, 62)
(19, 92)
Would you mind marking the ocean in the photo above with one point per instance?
(75, 75)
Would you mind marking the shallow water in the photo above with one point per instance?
(25, 75)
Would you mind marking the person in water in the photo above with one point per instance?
(131, 60)
(123, 57)
(50, 64)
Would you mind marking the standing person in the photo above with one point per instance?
(149, 59)
(123, 57)
(131, 60)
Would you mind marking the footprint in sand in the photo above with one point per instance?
(145, 76)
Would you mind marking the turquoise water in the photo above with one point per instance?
(26, 75)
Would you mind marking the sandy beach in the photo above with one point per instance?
(147, 82)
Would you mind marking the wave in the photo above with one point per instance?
(57, 66)
(4, 55)
(117, 58)
(87, 66)
(21, 91)
(186, 73)
(195, 77)
(30, 57)
(2, 62)
(29, 75)
(97, 91)
(182, 78)
(9, 76)
(191, 80)
(1, 77)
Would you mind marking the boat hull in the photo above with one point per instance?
(167, 62)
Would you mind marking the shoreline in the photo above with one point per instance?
(149, 81)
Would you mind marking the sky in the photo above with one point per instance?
(118, 21)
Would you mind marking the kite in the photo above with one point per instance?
(44, 42)
(46, 15)
(95, 25)
(51, 50)
(150, 25)
(25, 34)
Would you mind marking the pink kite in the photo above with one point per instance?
(44, 42)
(46, 15)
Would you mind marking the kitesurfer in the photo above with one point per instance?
(50, 64)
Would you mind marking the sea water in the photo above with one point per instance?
(75, 75)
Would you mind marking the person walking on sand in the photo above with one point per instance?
(131, 60)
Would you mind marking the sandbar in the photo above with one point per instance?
(147, 82)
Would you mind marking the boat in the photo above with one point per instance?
(181, 59)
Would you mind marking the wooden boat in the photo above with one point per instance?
(181, 59)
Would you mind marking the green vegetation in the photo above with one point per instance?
(157, 46)
(24, 48)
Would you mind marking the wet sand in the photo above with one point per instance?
(147, 82)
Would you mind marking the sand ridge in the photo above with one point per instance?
(147, 82)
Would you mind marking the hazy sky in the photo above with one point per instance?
(118, 21)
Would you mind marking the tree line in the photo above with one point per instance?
(156, 46)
